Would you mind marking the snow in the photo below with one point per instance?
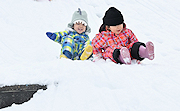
(27, 56)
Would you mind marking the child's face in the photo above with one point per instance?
(116, 29)
(79, 28)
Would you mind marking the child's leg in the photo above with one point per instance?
(140, 51)
(68, 47)
(87, 52)
(63, 56)
(122, 56)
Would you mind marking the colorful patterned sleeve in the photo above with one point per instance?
(59, 36)
(132, 38)
(97, 43)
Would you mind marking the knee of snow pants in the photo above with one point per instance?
(116, 54)
(135, 50)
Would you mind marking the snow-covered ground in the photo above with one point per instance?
(27, 56)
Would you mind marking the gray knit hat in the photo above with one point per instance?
(80, 16)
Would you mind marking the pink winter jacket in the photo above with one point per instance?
(106, 42)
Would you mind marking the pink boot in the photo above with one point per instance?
(148, 51)
(124, 56)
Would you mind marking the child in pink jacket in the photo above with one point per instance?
(114, 41)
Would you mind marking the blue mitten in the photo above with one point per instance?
(52, 36)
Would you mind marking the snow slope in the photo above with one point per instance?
(27, 56)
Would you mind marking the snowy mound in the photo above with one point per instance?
(27, 56)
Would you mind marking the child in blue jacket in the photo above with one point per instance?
(75, 41)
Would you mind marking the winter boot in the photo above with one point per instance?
(63, 56)
(148, 51)
(67, 54)
(87, 52)
(124, 56)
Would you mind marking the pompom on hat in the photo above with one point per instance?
(113, 17)
(80, 17)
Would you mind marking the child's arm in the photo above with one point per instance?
(97, 43)
(57, 36)
(132, 38)
(97, 51)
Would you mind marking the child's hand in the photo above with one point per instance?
(52, 36)
(97, 57)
